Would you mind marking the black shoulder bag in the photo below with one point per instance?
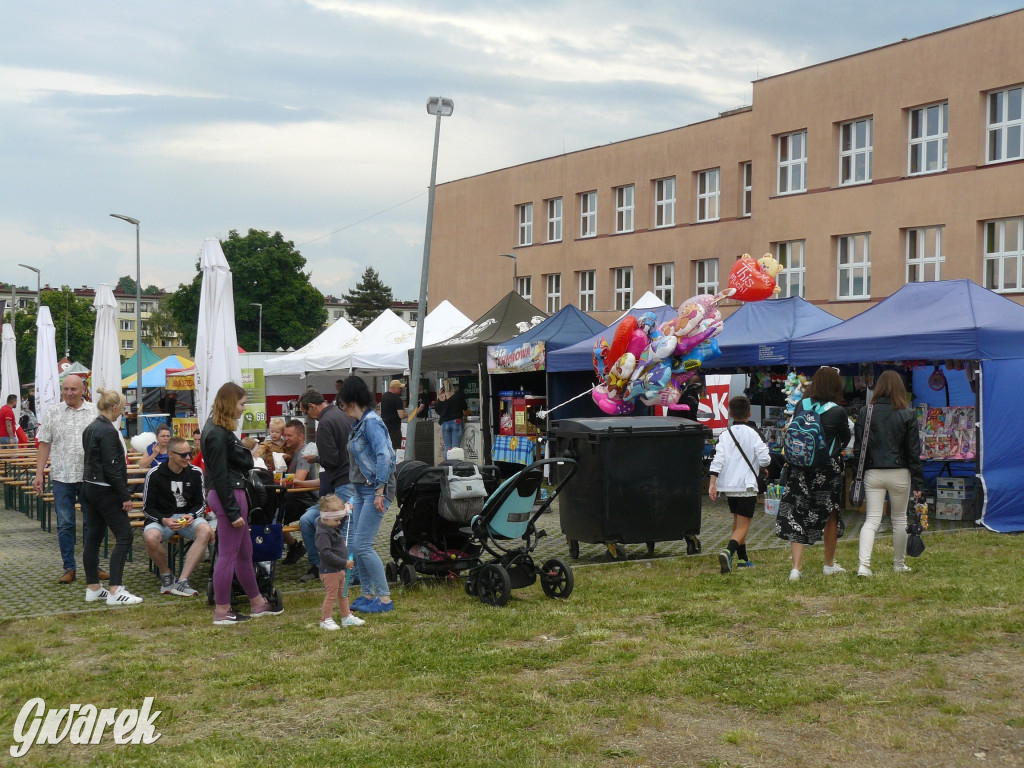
(856, 495)
(762, 476)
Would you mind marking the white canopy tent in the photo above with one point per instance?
(387, 331)
(389, 353)
(330, 349)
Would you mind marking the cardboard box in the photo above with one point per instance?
(949, 509)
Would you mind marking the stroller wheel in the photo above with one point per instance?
(209, 591)
(391, 572)
(574, 549)
(556, 579)
(407, 575)
(470, 586)
(275, 599)
(493, 585)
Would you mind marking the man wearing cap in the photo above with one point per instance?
(392, 412)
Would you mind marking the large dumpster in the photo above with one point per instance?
(639, 481)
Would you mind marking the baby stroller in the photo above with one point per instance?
(267, 541)
(430, 535)
(509, 515)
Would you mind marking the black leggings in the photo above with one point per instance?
(101, 510)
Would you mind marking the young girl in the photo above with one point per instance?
(334, 561)
(274, 443)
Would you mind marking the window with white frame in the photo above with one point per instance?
(587, 294)
(929, 138)
(790, 279)
(623, 288)
(706, 276)
(126, 325)
(665, 202)
(524, 287)
(855, 147)
(588, 214)
(624, 208)
(853, 262)
(1005, 125)
(127, 306)
(664, 282)
(792, 162)
(747, 204)
(708, 194)
(924, 254)
(552, 293)
(145, 307)
(525, 223)
(1004, 254)
(127, 343)
(554, 210)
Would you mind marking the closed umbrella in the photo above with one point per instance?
(216, 342)
(47, 378)
(106, 356)
(9, 383)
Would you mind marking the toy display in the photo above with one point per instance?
(947, 434)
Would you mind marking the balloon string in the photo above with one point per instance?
(544, 414)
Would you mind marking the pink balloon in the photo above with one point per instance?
(613, 406)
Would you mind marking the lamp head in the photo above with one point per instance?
(439, 105)
(129, 219)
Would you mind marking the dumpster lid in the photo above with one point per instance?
(631, 425)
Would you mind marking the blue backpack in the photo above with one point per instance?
(804, 441)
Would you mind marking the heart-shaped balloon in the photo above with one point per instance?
(621, 339)
(749, 282)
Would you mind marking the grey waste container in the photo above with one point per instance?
(638, 481)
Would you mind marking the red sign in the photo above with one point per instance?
(714, 409)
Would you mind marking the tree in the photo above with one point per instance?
(265, 269)
(81, 327)
(125, 284)
(152, 290)
(159, 326)
(369, 299)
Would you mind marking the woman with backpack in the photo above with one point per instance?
(810, 508)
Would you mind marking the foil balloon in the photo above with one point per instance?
(609, 403)
(749, 281)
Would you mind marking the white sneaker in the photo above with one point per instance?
(830, 570)
(123, 597)
(903, 568)
(794, 575)
(330, 624)
(99, 594)
(864, 571)
(352, 621)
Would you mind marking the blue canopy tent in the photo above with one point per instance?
(949, 320)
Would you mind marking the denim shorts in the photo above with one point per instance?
(186, 531)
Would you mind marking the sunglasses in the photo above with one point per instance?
(185, 455)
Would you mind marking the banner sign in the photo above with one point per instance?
(181, 382)
(184, 427)
(517, 358)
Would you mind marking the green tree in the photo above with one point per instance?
(125, 284)
(369, 299)
(265, 269)
(151, 290)
(64, 305)
(159, 326)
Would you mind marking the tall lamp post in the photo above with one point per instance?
(515, 268)
(257, 304)
(440, 107)
(39, 301)
(138, 321)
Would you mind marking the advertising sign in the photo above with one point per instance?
(515, 358)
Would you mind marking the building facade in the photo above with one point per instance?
(902, 163)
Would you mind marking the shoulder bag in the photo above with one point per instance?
(856, 495)
(762, 476)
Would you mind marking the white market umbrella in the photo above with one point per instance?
(106, 355)
(47, 376)
(9, 383)
(217, 359)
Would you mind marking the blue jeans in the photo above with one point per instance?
(65, 496)
(451, 433)
(7, 440)
(307, 525)
(367, 523)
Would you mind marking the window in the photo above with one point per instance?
(707, 195)
(587, 282)
(924, 254)
(623, 288)
(127, 343)
(413, 317)
(853, 258)
(524, 287)
(855, 138)
(1005, 133)
(525, 223)
(126, 325)
(144, 307)
(127, 306)
(588, 214)
(793, 162)
(24, 303)
(553, 293)
(665, 202)
(554, 207)
(337, 313)
(706, 276)
(790, 279)
(928, 138)
(1004, 252)
(624, 208)
(748, 189)
(664, 280)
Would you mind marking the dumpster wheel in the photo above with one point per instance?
(693, 545)
(616, 550)
(574, 549)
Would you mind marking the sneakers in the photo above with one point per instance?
(725, 561)
(295, 552)
(830, 570)
(270, 610)
(123, 597)
(794, 575)
(313, 574)
(184, 589)
(68, 577)
(376, 606)
(329, 624)
(360, 603)
(744, 564)
(352, 621)
(864, 572)
(166, 583)
(92, 596)
(230, 618)
(903, 569)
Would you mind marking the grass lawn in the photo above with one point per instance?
(648, 663)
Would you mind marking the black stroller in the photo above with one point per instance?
(430, 536)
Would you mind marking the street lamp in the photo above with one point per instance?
(257, 304)
(515, 268)
(138, 320)
(440, 107)
(39, 302)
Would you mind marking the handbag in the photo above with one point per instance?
(915, 544)
(856, 495)
(267, 542)
(762, 476)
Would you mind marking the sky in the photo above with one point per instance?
(308, 117)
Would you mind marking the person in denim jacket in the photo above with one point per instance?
(372, 472)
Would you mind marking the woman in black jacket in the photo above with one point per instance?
(892, 464)
(106, 501)
(226, 462)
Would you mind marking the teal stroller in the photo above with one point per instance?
(506, 530)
